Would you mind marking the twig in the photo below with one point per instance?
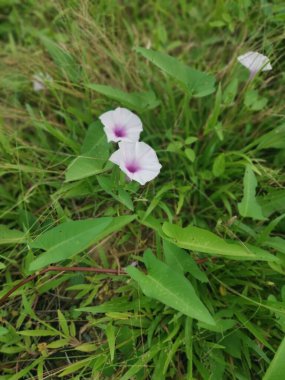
(59, 269)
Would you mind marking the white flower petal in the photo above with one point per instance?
(138, 160)
(38, 86)
(116, 157)
(39, 81)
(255, 62)
(144, 176)
(121, 125)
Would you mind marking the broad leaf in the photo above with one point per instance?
(181, 261)
(275, 242)
(219, 165)
(68, 239)
(137, 100)
(8, 236)
(94, 154)
(195, 82)
(272, 202)
(273, 139)
(276, 368)
(253, 101)
(121, 195)
(169, 287)
(200, 240)
(249, 206)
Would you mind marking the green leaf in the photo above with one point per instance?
(63, 59)
(75, 366)
(181, 261)
(8, 236)
(169, 287)
(275, 242)
(66, 240)
(137, 100)
(195, 82)
(59, 343)
(94, 154)
(273, 139)
(272, 202)
(213, 118)
(190, 154)
(230, 92)
(107, 184)
(3, 331)
(253, 101)
(38, 333)
(219, 165)
(141, 362)
(63, 323)
(200, 240)
(122, 304)
(249, 206)
(276, 368)
(110, 333)
(25, 371)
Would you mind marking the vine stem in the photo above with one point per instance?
(70, 269)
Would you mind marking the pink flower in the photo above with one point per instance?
(121, 125)
(138, 160)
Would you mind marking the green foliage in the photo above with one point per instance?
(170, 288)
(140, 101)
(195, 82)
(277, 366)
(64, 241)
(11, 236)
(200, 240)
(273, 139)
(63, 59)
(249, 207)
(94, 154)
(206, 299)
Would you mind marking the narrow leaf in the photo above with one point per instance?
(63, 59)
(110, 333)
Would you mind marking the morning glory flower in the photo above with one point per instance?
(255, 62)
(121, 125)
(138, 160)
(40, 80)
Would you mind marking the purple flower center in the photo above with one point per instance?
(133, 167)
(119, 131)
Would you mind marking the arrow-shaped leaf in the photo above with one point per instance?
(169, 287)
